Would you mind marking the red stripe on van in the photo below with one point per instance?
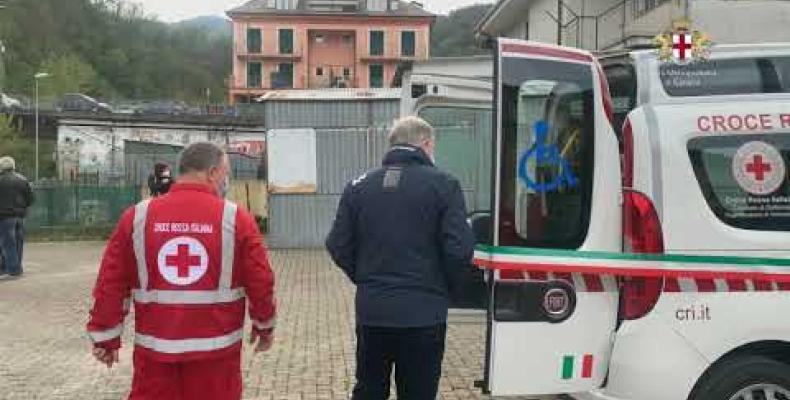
(565, 276)
(736, 285)
(539, 275)
(510, 274)
(763, 286)
(545, 51)
(671, 285)
(705, 285)
(593, 282)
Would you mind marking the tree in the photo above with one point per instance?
(453, 35)
(12, 144)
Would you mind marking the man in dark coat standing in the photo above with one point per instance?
(16, 196)
(402, 238)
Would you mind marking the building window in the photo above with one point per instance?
(284, 77)
(286, 41)
(376, 43)
(254, 40)
(526, 31)
(407, 43)
(319, 71)
(346, 72)
(254, 74)
(377, 76)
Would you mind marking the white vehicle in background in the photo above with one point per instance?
(8, 103)
(634, 233)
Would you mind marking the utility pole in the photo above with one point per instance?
(40, 75)
(560, 6)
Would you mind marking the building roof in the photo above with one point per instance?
(504, 14)
(331, 94)
(303, 8)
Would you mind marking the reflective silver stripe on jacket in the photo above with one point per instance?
(223, 293)
(169, 346)
(265, 324)
(228, 244)
(109, 334)
(138, 241)
(188, 296)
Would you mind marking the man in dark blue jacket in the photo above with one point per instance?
(401, 236)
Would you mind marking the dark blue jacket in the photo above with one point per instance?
(402, 237)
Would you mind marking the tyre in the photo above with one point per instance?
(746, 378)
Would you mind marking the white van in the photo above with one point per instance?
(646, 262)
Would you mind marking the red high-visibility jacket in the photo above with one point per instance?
(188, 260)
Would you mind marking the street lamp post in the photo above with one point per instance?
(38, 76)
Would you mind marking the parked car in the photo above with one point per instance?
(8, 103)
(78, 102)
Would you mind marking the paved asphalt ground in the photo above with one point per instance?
(44, 353)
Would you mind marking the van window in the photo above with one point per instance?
(744, 179)
(622, 87)
(548, 124)
(728, 76)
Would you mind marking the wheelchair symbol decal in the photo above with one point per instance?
(545, 156)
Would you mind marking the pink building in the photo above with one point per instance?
(313, 44)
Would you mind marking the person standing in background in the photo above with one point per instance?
(16, 196)
(160, 180)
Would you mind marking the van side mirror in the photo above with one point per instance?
(481, 226)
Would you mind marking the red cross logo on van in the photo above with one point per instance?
(758, 168)
(182, 261)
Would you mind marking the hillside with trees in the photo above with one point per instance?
(111, 50)
(453, 35)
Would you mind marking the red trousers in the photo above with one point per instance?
(215, 379)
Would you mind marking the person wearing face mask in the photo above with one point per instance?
(160, 180)
(402, 238)
(188, 262)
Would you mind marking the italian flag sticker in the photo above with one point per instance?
(574, 367)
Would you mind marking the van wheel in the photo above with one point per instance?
(746, 378)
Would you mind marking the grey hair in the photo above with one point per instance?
(412, 131)
(7, 164)
(200, 157)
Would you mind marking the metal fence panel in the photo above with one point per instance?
(342, 156)
(300, 220)
(327, 114)
(86, 206)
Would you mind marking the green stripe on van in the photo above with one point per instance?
(599, 255)
(567, 367)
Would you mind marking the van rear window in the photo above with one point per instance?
(744, 179)
(727, 77)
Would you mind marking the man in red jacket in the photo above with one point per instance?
(188, 260)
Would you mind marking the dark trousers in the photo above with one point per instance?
(416, 354)
(12, 240)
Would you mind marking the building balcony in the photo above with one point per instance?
(334, 76)
(245, 56)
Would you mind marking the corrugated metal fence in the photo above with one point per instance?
(350, 139)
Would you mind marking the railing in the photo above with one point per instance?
(334, 76)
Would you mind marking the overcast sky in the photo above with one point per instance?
(176, 10)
